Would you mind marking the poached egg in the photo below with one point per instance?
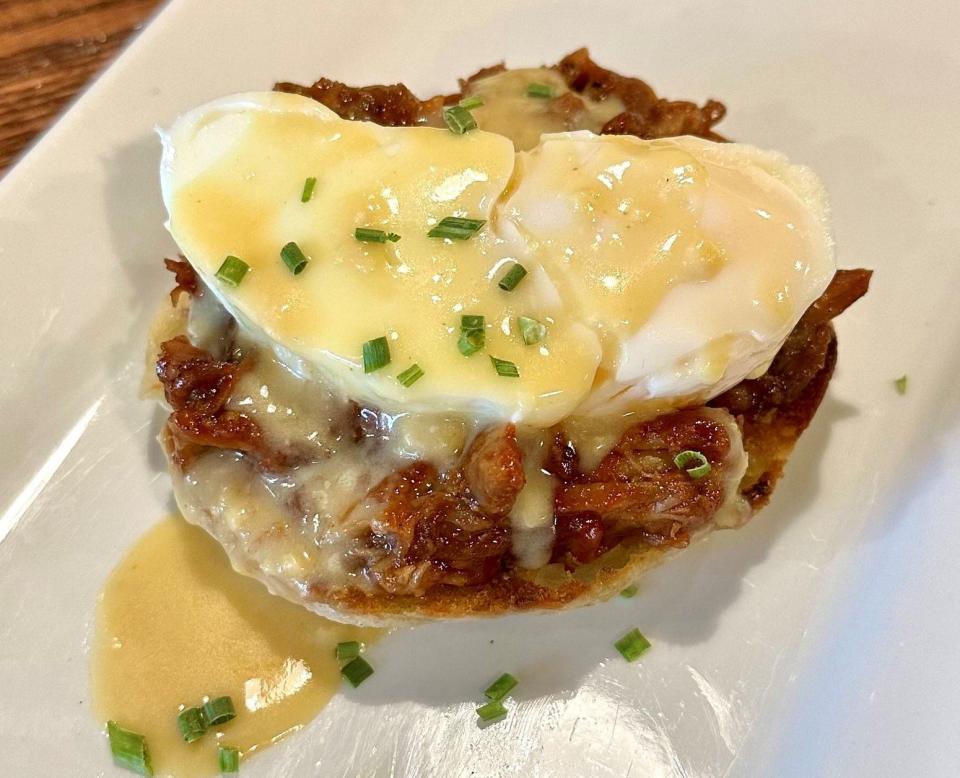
(660, 273)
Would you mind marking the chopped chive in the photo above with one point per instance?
(456, 228)
(356, 671)
(376, 354)
(500, 688)
(293, 258)
(191, 724)
(901, 385)
(371, 235)
(459, 120)
(348, 650)
(470, 342)
(472, 335)
(491, 711)
(472, 322)
(693, 462)
(505, 368)
(219, 710)
(232, 271)
(539, 90)
(308, 186)
(411, 375)
(129, 749)
(630, 591)
(229, 759)
(531, 330)
(512, 277)
(632, 645)
(471, 102)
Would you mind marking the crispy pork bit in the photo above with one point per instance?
(391, 106)
(192, 379)
(197, 387)
(578, 538)
(645, 114)
(424, 531)
(494, 469)
(184, 275)
(845, 289)
(638, 490)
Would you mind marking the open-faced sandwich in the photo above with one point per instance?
(492, 351)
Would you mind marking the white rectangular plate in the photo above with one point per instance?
(819, 640)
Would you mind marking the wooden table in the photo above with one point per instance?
(49, 50)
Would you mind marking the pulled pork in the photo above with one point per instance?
(184, 275)
(391, 106)
(638, 490)
(197, 387)
(645, 115)
(428, 528)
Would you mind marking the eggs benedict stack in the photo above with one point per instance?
(436, 371)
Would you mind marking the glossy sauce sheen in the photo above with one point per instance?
(176, 623)
(508, 109)
(664, 270)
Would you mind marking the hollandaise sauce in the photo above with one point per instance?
(176, 625)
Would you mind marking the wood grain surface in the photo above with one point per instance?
(49, 50)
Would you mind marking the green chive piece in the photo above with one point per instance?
(348, 650)
(471, 102)
(229, 759)
(371, 235)
(695, 463)
(472, 334)
(512, 277)
(411, 375)
(901, 385)
(500, 688)
(632, 645)
(471, 342)
(376, 354)
(191, 724)
(129, 749)
(630, 591)
(456, 228)
(308, 186)
(492, 711)
(294, 258)
(472, 322)
(232, 271)
(531, 330)
(356, 671)
(505, 368)
(218, 711)
(539, 90)
(459, 120)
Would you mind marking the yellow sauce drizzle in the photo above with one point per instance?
(175, 623)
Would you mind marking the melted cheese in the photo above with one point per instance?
(531, 518)
(666, 271)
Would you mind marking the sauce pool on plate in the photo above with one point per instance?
(175, 624)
